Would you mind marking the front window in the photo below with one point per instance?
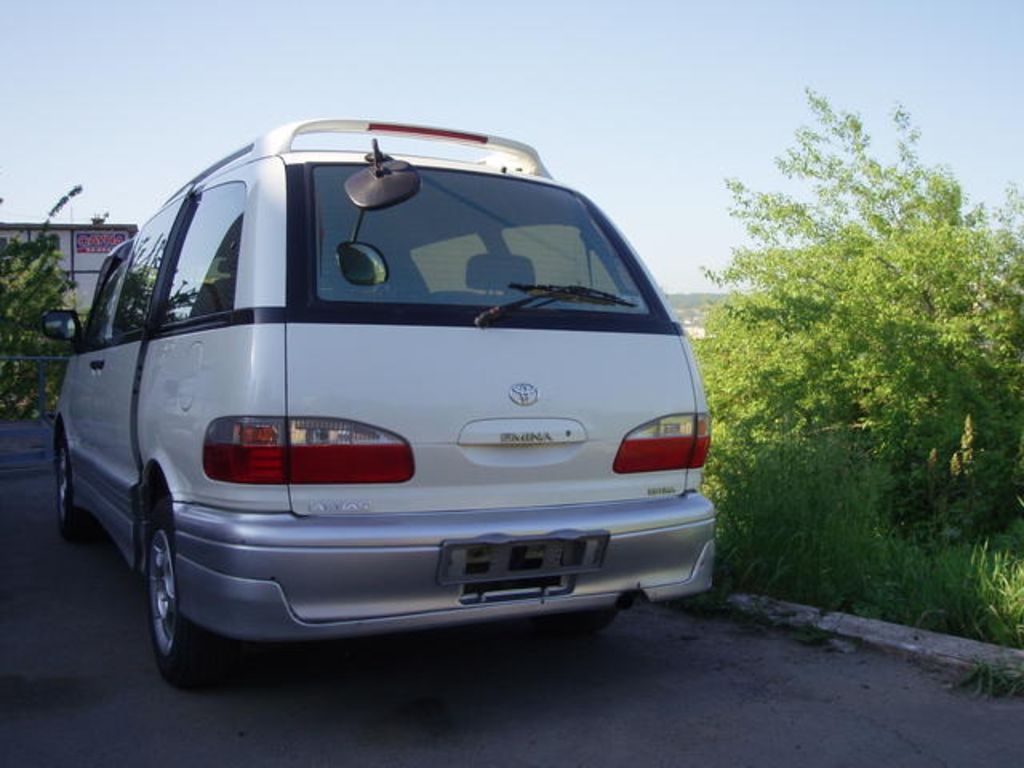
(467, 240)
(140, 277)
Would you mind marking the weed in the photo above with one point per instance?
(994, 680)
(812, 635)
(709, 604)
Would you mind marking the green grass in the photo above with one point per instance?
(993, 680)
(803, 521)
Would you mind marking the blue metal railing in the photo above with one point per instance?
(29, 441)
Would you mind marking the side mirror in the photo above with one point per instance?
(362, 264)
(62, 325)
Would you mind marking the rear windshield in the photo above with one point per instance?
(464, 240)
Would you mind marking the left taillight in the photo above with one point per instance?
(342, 451)
(679, 441)
(247, 449)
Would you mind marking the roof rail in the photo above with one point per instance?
(508, 154)
(222, 163)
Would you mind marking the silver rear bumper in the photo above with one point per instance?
(282, 577)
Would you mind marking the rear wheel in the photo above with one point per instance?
(187, 655)
(576, 623)
(74, 523)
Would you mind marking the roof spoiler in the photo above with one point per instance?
(507, 155)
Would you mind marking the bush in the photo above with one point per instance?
(874, 300)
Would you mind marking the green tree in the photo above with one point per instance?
(874, 302)
(31, 282)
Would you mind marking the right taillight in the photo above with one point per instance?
(679, 441)
(247, 449)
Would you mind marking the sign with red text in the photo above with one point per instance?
(99, 241)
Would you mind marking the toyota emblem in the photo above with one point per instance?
(523, 394)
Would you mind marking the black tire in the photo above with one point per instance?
(187, 655)
(74, 523)
(576, 623)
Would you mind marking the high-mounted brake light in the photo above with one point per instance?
(418, 130)
(246, 449)
(679, 441)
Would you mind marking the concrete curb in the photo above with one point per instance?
(949, 651)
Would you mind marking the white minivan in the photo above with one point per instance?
(327, 393)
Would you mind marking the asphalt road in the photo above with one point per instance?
(659, 688)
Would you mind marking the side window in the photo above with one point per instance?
(140, 278)
(204, 281)
(98, 328)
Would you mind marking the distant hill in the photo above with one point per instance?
(692, 308)
(691, 301)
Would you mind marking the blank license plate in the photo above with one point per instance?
(496, 558)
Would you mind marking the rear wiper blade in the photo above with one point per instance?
(541, 295)
(571, 293)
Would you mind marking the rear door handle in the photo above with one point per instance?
(97, 365)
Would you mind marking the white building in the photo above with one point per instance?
(83, 247)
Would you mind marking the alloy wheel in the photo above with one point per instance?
(162, 594)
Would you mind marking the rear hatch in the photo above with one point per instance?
(454, 395)
(393, 331)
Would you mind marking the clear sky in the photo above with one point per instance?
(646, 106)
